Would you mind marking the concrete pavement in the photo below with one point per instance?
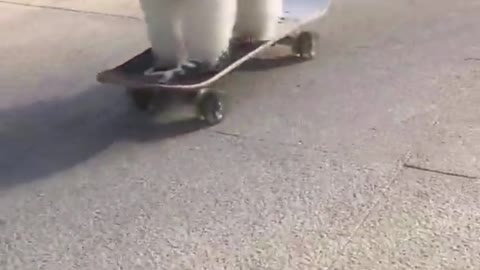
(365, 158)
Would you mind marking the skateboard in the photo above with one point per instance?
(210, 103)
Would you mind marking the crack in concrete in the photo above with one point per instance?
(228, 134)
(71, 10)
(300, 145)
(435, 171)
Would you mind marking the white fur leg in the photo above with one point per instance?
(208, 28)
(160, 18)
(258, 19)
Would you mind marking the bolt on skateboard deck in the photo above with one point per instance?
(143, 88)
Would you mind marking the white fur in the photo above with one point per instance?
(182, 30)
(208, 28)
(160, 17)
(258, 19)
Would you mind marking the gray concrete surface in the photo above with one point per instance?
(365, 158)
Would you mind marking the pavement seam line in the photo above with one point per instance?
(383, 195)
(435, 171)
(472, 59)
(71, 10)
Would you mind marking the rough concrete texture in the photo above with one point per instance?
(424, 222)
(365, 158)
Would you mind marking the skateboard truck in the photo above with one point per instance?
(302, 44)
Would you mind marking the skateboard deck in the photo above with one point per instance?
(297, 13)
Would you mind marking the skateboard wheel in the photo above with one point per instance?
(211, 106)
(304, 45)
(142, 98)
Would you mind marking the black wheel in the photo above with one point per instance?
(141, 98)
(304, 45)
(211, 106)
